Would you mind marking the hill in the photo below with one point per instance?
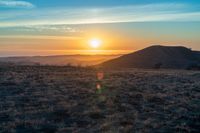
(175, 57)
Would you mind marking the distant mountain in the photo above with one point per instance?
(60, 60)
(175, 57)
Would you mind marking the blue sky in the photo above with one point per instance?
(39, 12)
(173, 21)
(97, 3)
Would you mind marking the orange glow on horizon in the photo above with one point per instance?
(92, 43)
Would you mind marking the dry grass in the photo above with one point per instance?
(63, 99)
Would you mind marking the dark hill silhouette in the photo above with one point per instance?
(176, 57)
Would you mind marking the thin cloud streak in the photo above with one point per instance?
(41, 37)
(134, 13)
(54, 28)
(16, 4)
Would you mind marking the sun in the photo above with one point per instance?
(95, 43)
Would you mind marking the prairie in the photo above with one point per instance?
(73, 99)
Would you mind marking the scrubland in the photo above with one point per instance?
(65, 99)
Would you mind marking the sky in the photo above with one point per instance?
(61, 27)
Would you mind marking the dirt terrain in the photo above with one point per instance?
(87, 100)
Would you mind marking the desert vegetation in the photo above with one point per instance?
(66, 99)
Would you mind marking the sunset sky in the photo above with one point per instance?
(61, 27)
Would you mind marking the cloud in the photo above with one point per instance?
(53, 28)
(131, 13)
(15, 4)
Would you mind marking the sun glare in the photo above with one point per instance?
(95, 43)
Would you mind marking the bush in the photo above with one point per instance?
(157, 65)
